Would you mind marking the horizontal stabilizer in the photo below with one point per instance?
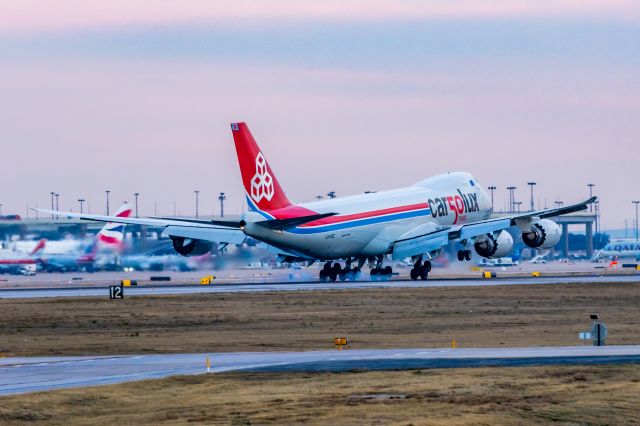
(282, 224)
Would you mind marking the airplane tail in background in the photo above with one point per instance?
(262, 187)
(112, 234)
(40, 246)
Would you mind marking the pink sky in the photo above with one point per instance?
(351, 109)
(42, 16)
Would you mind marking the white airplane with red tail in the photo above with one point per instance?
(416, 221)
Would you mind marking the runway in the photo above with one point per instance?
(21, 375)
(167, 289)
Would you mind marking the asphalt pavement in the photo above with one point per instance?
(292, 285)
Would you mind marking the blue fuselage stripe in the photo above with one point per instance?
(360, 222)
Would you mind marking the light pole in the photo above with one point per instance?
(558, 203)
(492, 188)
(52, 207)
(591, 185)
(531, 184)
(197, 201)
(107, 192)
(135, 195)
(512, 198)
(636, 203)
(57, 205)
(518, 203)
(222, 197)
(596, 209)
(81, 201)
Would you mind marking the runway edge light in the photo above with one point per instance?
(340, 342)
(207, 280)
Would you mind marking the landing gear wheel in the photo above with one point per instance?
(467, 254)
(323, 275)
(427, 265)
(413, 274)
(424, 274)
(355, 274)
(375, 272)
(460, 255)
(335, 271)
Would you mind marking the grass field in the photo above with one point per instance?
(519, 395)
(491, 316)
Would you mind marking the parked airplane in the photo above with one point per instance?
(416, 221)
(620, 249)
(109, 238)
(17, 263)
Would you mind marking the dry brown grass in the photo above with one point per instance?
(520, 395)
(489, 316)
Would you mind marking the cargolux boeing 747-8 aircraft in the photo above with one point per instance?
(347, 233)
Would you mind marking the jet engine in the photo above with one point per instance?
(545, 234)
(191, 247)
(489, 246)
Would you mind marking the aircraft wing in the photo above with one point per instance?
(174, 227)
(543, 214)
(413, 245)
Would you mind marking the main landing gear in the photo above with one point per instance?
(334, 271)
(464, 255)
(420, 270)
(381, 273)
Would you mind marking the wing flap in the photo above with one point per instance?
(218, 235)
(480, 228)
(421, 244)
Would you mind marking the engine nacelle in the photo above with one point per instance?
(543, 234)
(191, 247)
(489, 246)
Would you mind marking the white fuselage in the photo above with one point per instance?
(367, 225)
(621, 250)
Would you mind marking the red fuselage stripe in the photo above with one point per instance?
(364, 215)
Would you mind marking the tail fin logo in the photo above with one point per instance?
(262, 182)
